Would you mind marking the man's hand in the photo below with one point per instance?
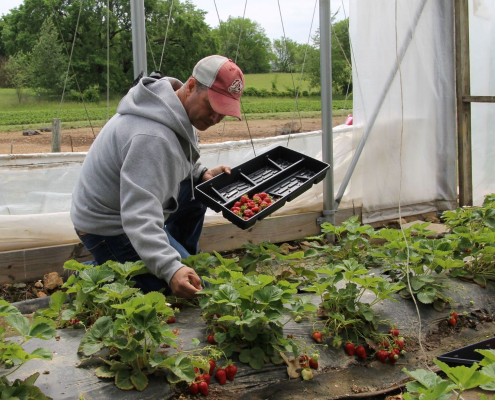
(185, 283)
(212, 172)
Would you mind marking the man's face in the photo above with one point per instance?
(198, 108)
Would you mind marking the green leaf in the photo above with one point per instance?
(102, 328)
(465, 378)
(90, 348)
(42, 330)
(123, 380)
(104, 372)
(489, 370)
(427, 296)
(220, 337)
(6, 308)
(268, 294)
(19, 323)
(139, 380)
(44, 354)
(225, 294)
(57, 299)
(480, 280)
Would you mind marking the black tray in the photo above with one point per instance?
(281, 172)
(467, 355)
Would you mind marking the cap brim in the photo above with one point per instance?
(224, 105)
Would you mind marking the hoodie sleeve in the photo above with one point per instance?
(198, 172)
(149, 185)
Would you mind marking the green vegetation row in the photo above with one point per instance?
(270, 105)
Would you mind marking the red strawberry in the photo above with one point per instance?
(211, 339)
(170, 320)
(221, 376)
(317, 336)
(237, 204)
(262, 195)
(350, 349)
(212, 367)
(455, 315)
(256, 209)
(394, 332)
(393, 357)
(203, 388)
(452, 321)
(230, 371)
(313, 364)
(206, 378)
(382, 355)
(400, 343)
(194, 389)
(361, 352)
(304, 360)
(384, 343)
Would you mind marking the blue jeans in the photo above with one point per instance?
(183, 229)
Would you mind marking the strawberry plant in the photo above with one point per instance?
(428, 385)
(269, 259)
(341, 306)
(426, 261)
(351, 241)
(251, 312)
(13, 355)
(133, 337)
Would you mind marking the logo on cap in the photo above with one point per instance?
(236, 87)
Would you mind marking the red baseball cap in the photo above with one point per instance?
(225, 82)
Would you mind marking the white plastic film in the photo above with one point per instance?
(482, 57)
(408, 108)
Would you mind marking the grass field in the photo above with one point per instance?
(33, 112)
(281, 80)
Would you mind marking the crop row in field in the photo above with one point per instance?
(100, 113)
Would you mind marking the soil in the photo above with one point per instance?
(80, 139)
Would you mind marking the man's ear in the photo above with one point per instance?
(190, 86)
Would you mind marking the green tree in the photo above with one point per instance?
(341, 59)
(254, 53)
(189, 37)
(289, 55)
(48, 64)
(16, 71)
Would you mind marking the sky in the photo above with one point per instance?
(296, 14)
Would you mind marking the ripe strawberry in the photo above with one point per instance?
(221, 376)
(211, 339)
(313, 364)
(452, 321)
(212, 367)
(350, 349)
(304, 360)
(290, 336)
(393, 357)
(237, 204)
(203, 388)
(384, 343)
(206, 378)
(170, 320)
(394, 332)
(361, 352)
(317, 336)
(230, 371)
(382, 356)
(400, 343)
(307, 374)
(454, 315)
(194, 389)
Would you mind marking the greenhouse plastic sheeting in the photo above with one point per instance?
(482, 54)
(339, 376)
(35, 190)
(409, 111)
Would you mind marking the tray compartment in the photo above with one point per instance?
(282, 173)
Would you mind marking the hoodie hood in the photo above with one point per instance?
(156, 100)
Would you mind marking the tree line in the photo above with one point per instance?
(38, 39)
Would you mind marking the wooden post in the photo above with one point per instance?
(56, 136)
(463, 88)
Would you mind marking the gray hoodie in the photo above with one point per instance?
(130, 179)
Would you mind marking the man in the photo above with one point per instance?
(134, 198)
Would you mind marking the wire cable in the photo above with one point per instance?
(166, 33)
(72, 67)
(108, 60)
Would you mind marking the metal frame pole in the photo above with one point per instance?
(138, 38)
(326, 111)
